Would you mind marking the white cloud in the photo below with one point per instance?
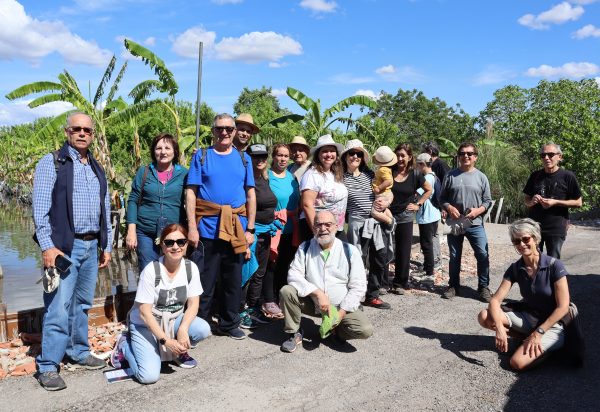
(346, 78)
(569, 70)
(587, 31)
(150, 41)
(23, 37)
(276, 65)
(319, 6)
(18, 112)
(257, 46)
(493, 74)
(222, 2)
(559, 14)
(391, 73)
(389, 69)
(367, 92)
(582, 2)
(278, 92)
(186, 44)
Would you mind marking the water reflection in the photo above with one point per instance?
(20, 258)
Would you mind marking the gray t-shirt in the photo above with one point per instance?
(466, 190)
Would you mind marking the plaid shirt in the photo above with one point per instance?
(86, 199)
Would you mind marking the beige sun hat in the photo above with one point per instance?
(300, 140)
(246, 118)
(326, 140)
(384, 156)
(355, 144)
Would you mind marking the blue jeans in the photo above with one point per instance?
(141, 350)
(478, 240)
(147, 251)
(65, 323)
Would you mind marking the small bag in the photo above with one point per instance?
(50, 279)
(458, 226)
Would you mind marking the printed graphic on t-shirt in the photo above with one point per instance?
(171, 300)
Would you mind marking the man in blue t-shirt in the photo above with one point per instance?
(220, 198)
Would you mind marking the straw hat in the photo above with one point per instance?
(384, 156)
(356, 144)
(326, 140)
(246, 118)
(300, 140)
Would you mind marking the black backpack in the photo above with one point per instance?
(435, 199)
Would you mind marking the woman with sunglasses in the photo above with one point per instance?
(156, 199)
(162, 323)
(358, 178)
(543, 285)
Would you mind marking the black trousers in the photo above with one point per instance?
(378, 275)
(224, 266)
(426, 232)
(276, 276)
(255, 283)
(403, 238)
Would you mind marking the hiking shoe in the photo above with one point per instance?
(258, 316)
(247, 322)
(398, 290)
(90, 363)
(272, 310)
(377, 303)
(235, 333)
(383, 291)
(117, 356)
(185, 361)
(484, 294)
(293, 341)
(51, 381)
(450, 293)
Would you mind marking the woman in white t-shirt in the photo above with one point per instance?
(159, 328)
(322, 187)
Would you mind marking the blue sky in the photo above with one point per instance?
(459, 51)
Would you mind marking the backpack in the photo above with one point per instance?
(437, 193)
(306, 245)
(203, 154)
(188, 271)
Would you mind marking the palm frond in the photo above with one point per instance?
(47, 98)
(143, 90)
(31, 88)
(166, 77)
(104, 81)
(115, 85)
(303, 100)
(350, 101)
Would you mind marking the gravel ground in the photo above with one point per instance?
(426, 354)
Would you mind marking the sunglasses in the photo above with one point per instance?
(550, 155)
(228, 129)
(468, 154)
(171, 242)
(356, 153)
(524, 239)
(78, 129)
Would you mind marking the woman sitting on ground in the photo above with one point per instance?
(159, 329)
(543, 284)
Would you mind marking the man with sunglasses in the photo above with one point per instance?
(221, 209)
(466, 194)
(549, 193)
(71, 210)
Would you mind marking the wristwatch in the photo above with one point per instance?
(162, 341)
(540, 331)
(251, 230)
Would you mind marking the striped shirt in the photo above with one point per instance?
(86, 199)
(360, 193)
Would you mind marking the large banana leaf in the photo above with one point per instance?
(31, 88)
(350, 101)
(143, 90)
(303, 100)
(47, 98)
(283, 119)
(115, 86)
(167, 80)
(104, 81)
(50, 129)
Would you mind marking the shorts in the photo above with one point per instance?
(525, 323)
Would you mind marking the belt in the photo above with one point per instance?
(86, 236)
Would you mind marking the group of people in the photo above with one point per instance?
(235, 243)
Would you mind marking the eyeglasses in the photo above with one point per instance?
(468, 154)
(524, 239)
(78, 129)
(326, 225)
(244, 129)
(171, 242)
(228, 129)
(356, 153)
(549, 154)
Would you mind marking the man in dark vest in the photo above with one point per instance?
(71, 207)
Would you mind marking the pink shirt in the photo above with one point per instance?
(165, 176)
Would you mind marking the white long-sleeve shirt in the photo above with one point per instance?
(346, 286)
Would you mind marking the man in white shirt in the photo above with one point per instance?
(327, 272)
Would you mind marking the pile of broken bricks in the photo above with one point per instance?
(17, 357)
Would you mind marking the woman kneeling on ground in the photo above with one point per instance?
(159, 329)
(543, 284)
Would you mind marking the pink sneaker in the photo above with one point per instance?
(272, 310)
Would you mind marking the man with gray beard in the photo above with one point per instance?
(325, 272)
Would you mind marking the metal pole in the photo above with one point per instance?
(199, 94)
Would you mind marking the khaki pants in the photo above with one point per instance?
(355, 325)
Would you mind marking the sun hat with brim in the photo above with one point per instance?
(424, 158)
(355, 144)
(326, 140)
(246, 118)
(257, 150)
(384, 156)
(300, 140)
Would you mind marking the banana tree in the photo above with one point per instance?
(319, 122)
(67, 90)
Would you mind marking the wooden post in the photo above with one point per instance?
(199, 94)
(498, 210)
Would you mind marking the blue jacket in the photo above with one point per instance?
(171, 195)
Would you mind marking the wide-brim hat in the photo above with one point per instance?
(326, 140)
(384, 156)
(246, 118)
(300, 140)
(257, 149)
(355, 144)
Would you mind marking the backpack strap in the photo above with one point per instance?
(156, 272)
(139, 202)
(202, 155)
(57, 162)
(188, 270)
(244, 162)
(345, 245)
